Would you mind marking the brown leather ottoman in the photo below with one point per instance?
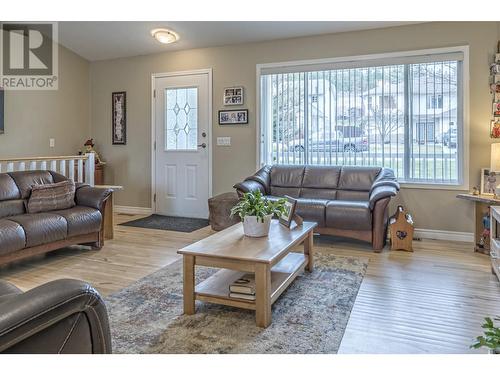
(220, 210)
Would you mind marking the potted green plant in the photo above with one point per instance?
(491, 337)
(256, 213)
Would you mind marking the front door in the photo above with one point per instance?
(182, 142)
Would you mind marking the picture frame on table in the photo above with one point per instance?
(119, 115)
(233, 95)
(287, 217)
(489, 181)
(233, 117)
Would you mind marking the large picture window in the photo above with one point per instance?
(406, 115)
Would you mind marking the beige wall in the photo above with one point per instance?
(32, 117)
(130, 165)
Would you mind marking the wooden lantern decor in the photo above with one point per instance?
(401, 230)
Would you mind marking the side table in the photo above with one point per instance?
(109, 221)
(482, 204)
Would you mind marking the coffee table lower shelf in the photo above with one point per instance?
(215, 289)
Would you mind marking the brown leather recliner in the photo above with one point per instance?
(345, 201)
(62, 316)
(23, 235)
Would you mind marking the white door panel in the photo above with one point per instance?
(182, 145)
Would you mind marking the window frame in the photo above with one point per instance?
(463, 98)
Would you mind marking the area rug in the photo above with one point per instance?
(309, 317)
(177, 224)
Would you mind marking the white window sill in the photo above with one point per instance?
(410, 185)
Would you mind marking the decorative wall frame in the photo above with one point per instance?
(2, 115)
(233, 117)
(233, 96)
(495, 92)
(119, 122)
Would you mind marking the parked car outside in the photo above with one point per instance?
(450, 138)
(337, 143)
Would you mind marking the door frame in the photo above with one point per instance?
(207, 71)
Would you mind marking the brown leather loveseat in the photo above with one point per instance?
(23, 235)
(62, 316)
(345, 201)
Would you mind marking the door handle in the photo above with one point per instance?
(203, 145)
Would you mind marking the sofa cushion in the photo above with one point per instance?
(26, 179)
(321, 177)
(312, 210)
(42, 228)
(8, 188)
(12, 237)
(350, 215)
(286, 180)
(358, 178)
(81, 220)
(353, 195)
(11, 208)
(51, 197)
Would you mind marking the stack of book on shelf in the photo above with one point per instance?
(243, 288)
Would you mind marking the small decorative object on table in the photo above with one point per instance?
(401, 230)
(119, 118)
(233, 117)
(289, 214)
(256, 213)
(489, 180)
(475, 191)
(491, 337)
(233, 96)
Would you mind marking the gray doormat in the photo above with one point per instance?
(309, 317)
(177, 224)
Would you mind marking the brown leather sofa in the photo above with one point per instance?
(344, 201)
(62, 316)
(23, 235)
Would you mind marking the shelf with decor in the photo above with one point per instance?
(495, 240)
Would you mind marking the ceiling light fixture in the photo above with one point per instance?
(165, 36)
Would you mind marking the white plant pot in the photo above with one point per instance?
(254, 227)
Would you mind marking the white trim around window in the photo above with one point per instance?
(460, 53)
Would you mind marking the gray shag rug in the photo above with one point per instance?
(309, 317)
(174, 223)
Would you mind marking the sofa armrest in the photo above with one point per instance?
(381, 192)
(24, 316)
(249, 185)
(92, 196)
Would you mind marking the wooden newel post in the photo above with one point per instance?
(89, 169)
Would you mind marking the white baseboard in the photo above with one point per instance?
(133, 210)
(433, 234)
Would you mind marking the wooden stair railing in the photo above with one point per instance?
(79, 168)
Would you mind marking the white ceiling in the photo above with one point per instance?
(109, 40)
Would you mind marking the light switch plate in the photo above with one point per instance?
(223, 141)
(52, 143)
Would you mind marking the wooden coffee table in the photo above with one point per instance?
(270, 258)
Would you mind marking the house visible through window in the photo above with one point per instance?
(406, 116)
(435, 101)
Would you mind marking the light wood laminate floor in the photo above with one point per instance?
(430, 301)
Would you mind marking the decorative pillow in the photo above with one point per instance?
(50, 197)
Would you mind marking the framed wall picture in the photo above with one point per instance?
(233, 96)
(119, 126)
(2, 117)
(233, 117)
(489, 181)
(287, 217)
